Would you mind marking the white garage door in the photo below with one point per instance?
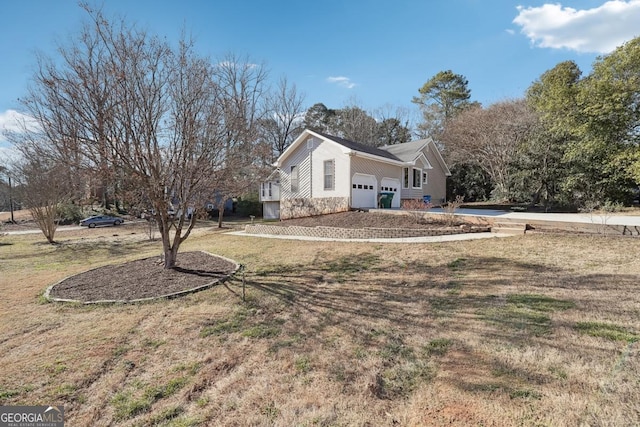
(391, 185)
(363, 191)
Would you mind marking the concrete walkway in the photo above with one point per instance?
(628, 220)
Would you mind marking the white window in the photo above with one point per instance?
(405, 178)
(294, 179)
(424, 178)
(270, 190)
(329, 174)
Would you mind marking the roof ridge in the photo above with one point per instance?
(358, 146)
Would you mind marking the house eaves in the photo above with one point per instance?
(355, 149)
(349, 148)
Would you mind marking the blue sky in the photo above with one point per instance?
(375, 53)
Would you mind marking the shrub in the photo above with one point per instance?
(249, 205)
(450, 209)
(416, 208)
(69, 213)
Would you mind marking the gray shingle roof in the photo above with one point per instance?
(356, 146)
(407, 151)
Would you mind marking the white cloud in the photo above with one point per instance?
(13, 121)
(8, 155)
(342, 81)
(597, 30)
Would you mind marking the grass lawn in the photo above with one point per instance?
(527, 330)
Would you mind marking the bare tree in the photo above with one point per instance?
(393, 125)
(283, 121)
(44, 188)
(242, 99)
(490, 137)
(158, 116)
(356, 124)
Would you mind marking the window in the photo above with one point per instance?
(270, 190)
(424, 178)
(329, 174)
(262, 187)
(417, 178)
(294, 179)
(412, 175)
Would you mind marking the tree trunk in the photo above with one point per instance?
(170, 256)
(220, 214)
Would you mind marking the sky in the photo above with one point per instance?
(374, 53)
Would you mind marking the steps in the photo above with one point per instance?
(513, 228)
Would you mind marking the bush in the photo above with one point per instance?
(70, 213)
(417, 209)
(249, 205)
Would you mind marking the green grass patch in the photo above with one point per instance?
(437, 347)
(394, 350)
(402, 379)
(270, 411)
(303, 364)
(9, 393)
(128, 405)
(261, 331)
(539, 302)
(527, 313)
(524, 394)
(166, 416)
(281, 270)
(519, 319)
(444, 305)
(235, 324)
(608, 331)
(457, 263)
(182, 421)
(154, 344)
(352, 264)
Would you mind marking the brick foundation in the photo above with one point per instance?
(300, 208)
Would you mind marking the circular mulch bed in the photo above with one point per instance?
(144, 279)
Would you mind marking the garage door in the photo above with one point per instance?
(391, 185)
(363, 191)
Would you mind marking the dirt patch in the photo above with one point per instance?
(356, 219)
(145, 278)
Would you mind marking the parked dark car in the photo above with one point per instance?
(92, 221)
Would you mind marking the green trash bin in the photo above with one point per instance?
(385, 200)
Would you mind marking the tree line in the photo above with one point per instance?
(571, 141)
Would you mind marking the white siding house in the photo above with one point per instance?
(321, 173)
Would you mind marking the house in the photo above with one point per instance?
(321, 174)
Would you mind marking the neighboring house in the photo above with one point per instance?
(320, 174)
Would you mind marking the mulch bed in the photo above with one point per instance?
(355, 219)
(144, 279)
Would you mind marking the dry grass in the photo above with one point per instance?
(529, 330)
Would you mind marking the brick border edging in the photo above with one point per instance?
(48, 297)
(359, 233)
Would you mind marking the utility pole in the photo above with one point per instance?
(11, 199)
